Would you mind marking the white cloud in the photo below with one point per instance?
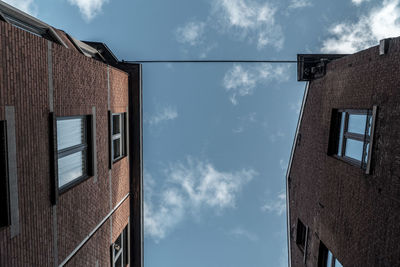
(283, 164)
(239, 232)
(239, 129)
(245, 121)
(301, 4)
(27, 6)
(88, 8)
(382, 22)
(168, 113)
(204, 185)
(277, 206)
(275, 136)
(250, 20)
(296, 106)
(239, 81)
(189, 188)
(358, 2)
(191, 33)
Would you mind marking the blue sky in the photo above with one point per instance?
(217, 138)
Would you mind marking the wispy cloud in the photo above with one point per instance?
(249, 20)
(238, 129)
(191, 33)
(275, 136)
(159, 220)
(240, 232)
(294, 4)
(382, 21)
(283, 164)
(358, 2)
(296, 106)
(166, 114)
(240, 81)
(27, 6)
(277, 206)
(89, 8)
(190, 187)
(245, 121)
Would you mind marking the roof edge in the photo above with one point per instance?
(26, 18)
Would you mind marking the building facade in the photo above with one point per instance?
(70, 149)
(343, 180)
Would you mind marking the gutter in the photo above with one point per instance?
(289, 169)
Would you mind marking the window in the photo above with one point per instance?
(118, 128)
(120, 250)
(301, 235)
(73, 150)
(351, 136)
(4, 201)
(326, 258)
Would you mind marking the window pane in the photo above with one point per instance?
(116, 124)
(341, 133)
(118, 242)
(329, 260)
(119, 261)
(366, 154)
(338, 264)
(125, 246)
(70, 132)
(369, 120)
(357, 123)
(70, 168)
(117, 148)
(354, 149)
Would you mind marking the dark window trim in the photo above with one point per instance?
(124, 253)
(121, 135)
(110, 156)
(70, 150)
(73, 149)
(86, 146)
(301, 235)
(366, 138)
(323, 256)
(53, 158)
(72, 184)
(5, 219)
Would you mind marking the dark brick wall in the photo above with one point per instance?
(355, 215)
(79, 84)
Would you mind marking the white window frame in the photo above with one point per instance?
(120, 136)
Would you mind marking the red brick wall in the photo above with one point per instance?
(79, 84)
(24, 85)
(120, 219)
(354, 214)
(118, 104)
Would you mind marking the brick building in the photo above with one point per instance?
(70, 149)
(343, 180)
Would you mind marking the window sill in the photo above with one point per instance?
(119, 159)
(349, 162)
(72, 184)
